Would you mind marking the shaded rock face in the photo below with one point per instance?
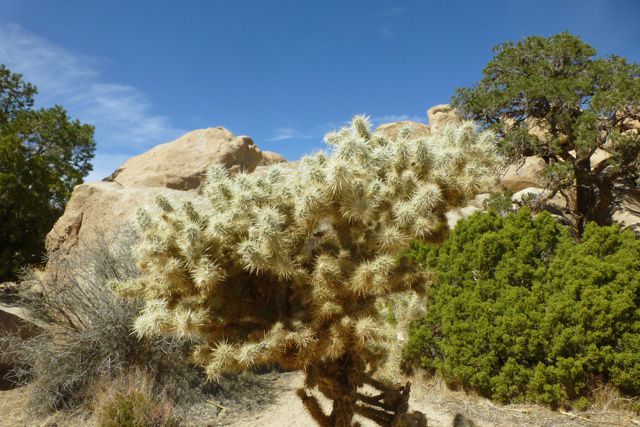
(525, 175)
(627, 210)
(13, 321)
(102, 207)
(182, 164)
(176, 170)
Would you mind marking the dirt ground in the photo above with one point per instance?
(270, 400)
(441, 407)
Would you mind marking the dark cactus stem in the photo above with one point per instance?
(344, 377)
(340, 380)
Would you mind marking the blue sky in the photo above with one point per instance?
(283, 72)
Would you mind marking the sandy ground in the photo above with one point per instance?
(441, 407)
(270, 400)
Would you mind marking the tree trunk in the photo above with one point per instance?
(586, 201)
(605, 202)
(594, 197)
(580, 207)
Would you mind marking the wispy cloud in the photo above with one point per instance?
(285, 133)
(386, 32)
(388, 19)
(122, 114)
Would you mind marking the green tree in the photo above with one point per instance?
(553, 98)
(43, 155)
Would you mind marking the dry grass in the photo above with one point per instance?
(132, 401)
(232, 397)
(439, 403)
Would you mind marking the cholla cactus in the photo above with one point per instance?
(289, 267)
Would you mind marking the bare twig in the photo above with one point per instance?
(211, 402)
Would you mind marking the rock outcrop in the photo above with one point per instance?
(182, 164)
(175, 170)
(270, 158)
(627, 210)
(13, 321)
(438, 117)
(102, 207)
(457, 214)
(391, 130)
(524, 175)
(442, 115)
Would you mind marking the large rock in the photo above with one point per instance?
(598, 157)
(441, 116)
(438, 117)
(13, 321)
(182, 164)
(556, 205)
(104, 207)
(529, 173)
(270, 158)
(524, 175)
(391, 130)
(175, 170)
(627, 210)
(457, 214)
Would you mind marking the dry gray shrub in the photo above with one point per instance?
(89, 334)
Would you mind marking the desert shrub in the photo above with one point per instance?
(89, 330)
(133, 401)
(521, 312)
(291, 267)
